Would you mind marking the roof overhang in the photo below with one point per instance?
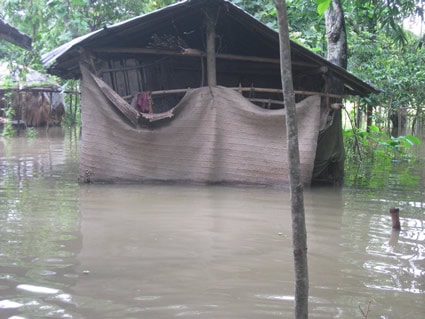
(243, 33)
(14, 36)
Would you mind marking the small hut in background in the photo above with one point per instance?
(36, 100)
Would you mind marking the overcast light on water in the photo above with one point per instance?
(182, 251)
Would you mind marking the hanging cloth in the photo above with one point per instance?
(144, 103)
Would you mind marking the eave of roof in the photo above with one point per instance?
(63, 61)
(14, 36)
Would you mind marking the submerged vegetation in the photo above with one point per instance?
(373, 159)
(8, 130)
(373, 144)
(31, 132)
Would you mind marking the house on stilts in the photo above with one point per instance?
(192, 93)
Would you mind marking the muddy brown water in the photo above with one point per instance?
(174, 251)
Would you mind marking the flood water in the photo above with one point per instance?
(171, 251)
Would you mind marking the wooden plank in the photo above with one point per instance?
(133, 76)
(106, 75)
(119, 78)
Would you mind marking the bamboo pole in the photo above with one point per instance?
(266, 101)
(245, 89)
(271, 90)
(211, 62)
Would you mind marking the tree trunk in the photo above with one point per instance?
(399, 120)
(369, 116)
(337, 54)
(299, 234)
(336, 34)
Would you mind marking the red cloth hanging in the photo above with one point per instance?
(143, 102)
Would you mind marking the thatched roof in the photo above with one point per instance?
(238, 33)
(10, 78)
(13, 35)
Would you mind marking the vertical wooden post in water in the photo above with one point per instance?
(211, 65)
(395, 217)
(19, 113)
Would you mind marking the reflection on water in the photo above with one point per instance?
(160, 251)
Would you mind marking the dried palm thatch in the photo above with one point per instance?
(36, 107)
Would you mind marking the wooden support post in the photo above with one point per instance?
(395, 234)
(395, 217)
(19, 113)
(211, 57)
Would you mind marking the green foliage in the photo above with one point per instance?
(72, 117)
(72, 101)
(306, 26)
(372, 158)
(8, 112)
(263, 10)
(374, 144)
(322, 6)
(8, 130)
(397, 71)
(31, 132)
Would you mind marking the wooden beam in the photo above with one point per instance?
(198, 53)
(270, 90)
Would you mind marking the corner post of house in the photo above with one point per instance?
(87, 58)
(211, 15)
